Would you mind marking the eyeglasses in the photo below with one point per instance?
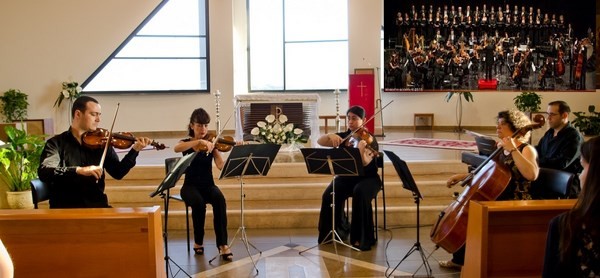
(552, 114)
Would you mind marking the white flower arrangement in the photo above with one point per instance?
(276, 131)
(70, 91)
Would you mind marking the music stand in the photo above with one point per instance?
(164, 191)
(408, 183)
(336, 161)
(247, 160)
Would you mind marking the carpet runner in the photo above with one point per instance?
(433, 143)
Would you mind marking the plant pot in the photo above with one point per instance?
(19, 199)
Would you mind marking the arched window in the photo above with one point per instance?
(167, 52)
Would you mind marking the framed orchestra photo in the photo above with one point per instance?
(490, 45)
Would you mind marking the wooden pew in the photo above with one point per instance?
(508, 238)
(116, 242)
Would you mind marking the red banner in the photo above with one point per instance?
(361, 91)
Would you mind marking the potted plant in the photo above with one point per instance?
(528, 102)
(14, 105)
(589, 125)
(468, 97)
(19, 161)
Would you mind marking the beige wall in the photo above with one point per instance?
(53, 41)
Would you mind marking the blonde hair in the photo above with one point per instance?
(516, 120)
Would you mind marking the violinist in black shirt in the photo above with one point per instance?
(73, 170)
(362, 189)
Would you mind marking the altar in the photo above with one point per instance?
(301, 109)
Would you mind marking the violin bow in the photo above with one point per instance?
(109, 139)
(227, 121)
(224, 125)
(367, 121)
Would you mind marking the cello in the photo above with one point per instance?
(579, 62)
(560, 64)
(486, 183)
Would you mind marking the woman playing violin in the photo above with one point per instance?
(518, 156)
(362, 189)
(199, 187)
(73, 170)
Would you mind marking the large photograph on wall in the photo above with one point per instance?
(489, 45)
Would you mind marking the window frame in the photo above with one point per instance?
(133, 35)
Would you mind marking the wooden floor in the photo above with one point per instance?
(280, 247)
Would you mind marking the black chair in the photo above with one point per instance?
(40, 191)
(551, 184)
(485, 147)
(380, 163)
(169, 164)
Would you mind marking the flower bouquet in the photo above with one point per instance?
(70, 91)
(274, 130)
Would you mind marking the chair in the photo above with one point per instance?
(485, 147)
(169, 164)
(380, 163)
(40, 191)
(551, 184)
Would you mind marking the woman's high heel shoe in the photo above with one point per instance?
(199, 250)
(226, 256)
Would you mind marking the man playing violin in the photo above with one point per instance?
(362, 189)
(73, 170)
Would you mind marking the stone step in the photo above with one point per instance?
(271, 192)
(296, 171)
(289, 197)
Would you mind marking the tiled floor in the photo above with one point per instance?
(281, 256)
(280, 247)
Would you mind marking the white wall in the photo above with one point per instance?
(53, 41)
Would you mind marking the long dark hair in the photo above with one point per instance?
(199, 116)
(587, 208)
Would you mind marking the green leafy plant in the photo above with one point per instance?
(20, 158)
(14, 105)
(588, 124)
(467, 95)
(528, 102)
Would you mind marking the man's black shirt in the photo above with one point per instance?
(62, 155)
(562, 152)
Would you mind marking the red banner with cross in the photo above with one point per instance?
(361, 91)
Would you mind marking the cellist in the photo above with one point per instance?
(518, 156)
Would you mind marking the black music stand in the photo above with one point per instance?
(164, 191)
(248, 160)
(408, 182)
(336, 161)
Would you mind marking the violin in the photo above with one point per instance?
(121, 140)
(360, 135)
(223, 144)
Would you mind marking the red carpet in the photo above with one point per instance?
(433, 143)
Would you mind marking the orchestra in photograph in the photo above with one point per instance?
(460, 47)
